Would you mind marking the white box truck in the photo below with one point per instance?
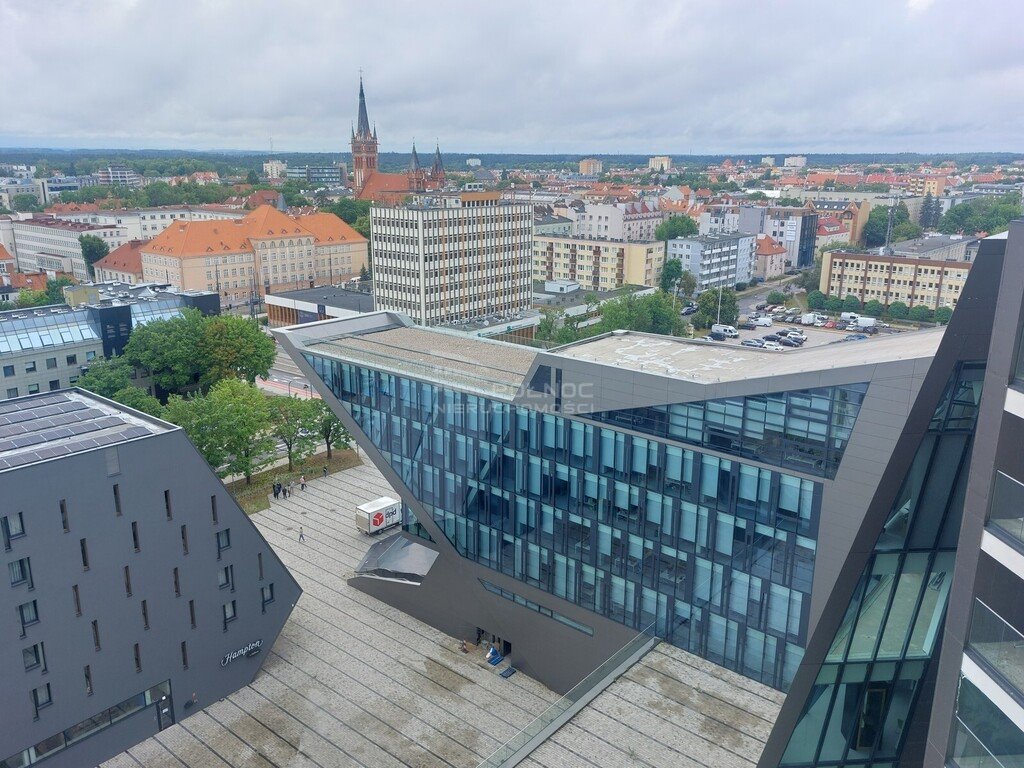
(810, 318)
(375, 516)
(867, 322)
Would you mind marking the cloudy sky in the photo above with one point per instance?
(682, 76)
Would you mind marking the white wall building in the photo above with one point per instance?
(716, 260)
(659, 163)
(453, 258)
(147, 223)
(795, 161)
(631, 222)
(275, 169)
(52, 245)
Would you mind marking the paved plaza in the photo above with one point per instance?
(350, 681)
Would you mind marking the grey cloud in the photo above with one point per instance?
(534, 76)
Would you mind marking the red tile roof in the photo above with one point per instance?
(768, 246)
(125, 258)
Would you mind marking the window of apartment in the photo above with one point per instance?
(223, 541)
(230, 613)
(54, 385)
(51, 363)
(72, 359)
(8, 370)
(135, 535)
(30, 367)
(136, 652)
(184, 655)
(90, 356)
(85, 554)
(96, 634)
(21, 573)
(13, 527)
(192, 613)
(267, 594)
(88, 680)
(145, 615)
(226, 577)
(127, 581)
(41, 697)
(64, 515)
(29, 615)
(177, 584)
(167, 504)
(117, 499)
(34, 657)
(213, 509)
(184, 539)
(33, 389)
(259, 565)
(12, 392)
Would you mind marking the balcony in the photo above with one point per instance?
(1006, 508)
(999, 646)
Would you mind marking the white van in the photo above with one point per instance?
(850, 317)
(726, 330)
(764, 321)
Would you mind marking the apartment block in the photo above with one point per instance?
(597, 264)
(716, 260)
(659, 163)
(137, 592)
(52, 245)
(451, 258)
(144, 223)
(632, 222)
(912, 281)
(591, 167)
(118, 175)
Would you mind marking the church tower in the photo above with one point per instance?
(364, 144)
(417, 176)
(436, 175)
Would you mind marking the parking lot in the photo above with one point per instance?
(815, 336)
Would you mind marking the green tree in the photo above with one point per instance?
(107, 376)
(293, 423)
(93, 249)
(816, 300)
(55, 289)
(874, 308)
(920, 314)
(364, 273)
(362, 226)
(26, 203)
(898, 310)
(29, 298)
(252, 178)
(671, 272)
(136, 398)
(851, 303)
(234, 346)
(550, 320)
(906, 230)
(943, 315)
(878, 223)
(789, 202)
(776, 297)
(985, 214)
(687, 284)
(329, 427)
(708, 305)
(676, 226)
(171, 350)
(929, 211)
(833, 305)
(738, 287)
(810, 279)
(349, 209)
(654, 313)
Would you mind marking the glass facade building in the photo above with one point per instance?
(871, 679)
(718, 553)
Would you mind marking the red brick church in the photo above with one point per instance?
(388, 188)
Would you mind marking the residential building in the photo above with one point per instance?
(853, 214)
(659, 163)
(329, 175)
(921, 184)
(145, 223)
(794, 517)
(118, 175)
(716, 261)
(768, 161)
(795, 228)
(48, 244)
(795, 161)
(452, 258)
(591, 167)
(139, 591)
(597, 264)
(718, 218)
(547, 222)
(53, 186)
(264, 251)
(121, 265)
(632, 222)
(44, 349)
(831, 231)
(310, 305)
(275, 169)
(871, 276)
(937, 247)
(770, 258)
(473, 162)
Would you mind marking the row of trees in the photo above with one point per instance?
(157, 193)
(984, 214)
(897, 310)
(878, 223)
(653, 313)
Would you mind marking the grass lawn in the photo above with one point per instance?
(253, 498)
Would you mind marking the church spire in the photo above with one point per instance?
(363, 126)
(438, 167)
(414, 162)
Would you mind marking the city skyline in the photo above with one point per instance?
(638, 78)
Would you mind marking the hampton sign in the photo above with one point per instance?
(251, 649)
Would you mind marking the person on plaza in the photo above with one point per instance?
(325, 470)
(302, 482)
(302, 536)
(277, 489)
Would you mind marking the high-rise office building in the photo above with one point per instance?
(447, 258)
(137, 590)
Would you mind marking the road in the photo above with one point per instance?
(285, 378)
(749, 301)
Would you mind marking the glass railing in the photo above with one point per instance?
(998, 644)
(969, 752)
(599, 679)
(1006, 509)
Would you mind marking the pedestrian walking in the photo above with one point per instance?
(277, 489)
(302, 536)
(302, 482)
(284, 491)
(325, 470)
(291, 487)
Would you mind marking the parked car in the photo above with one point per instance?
(829, 324)
(855, 337)
(690, 310)
(774, 346)
(770, 337)
(747, 326)
(716, 336)
(752, 343)
(791, 319)
(762, 305)
(788, 342)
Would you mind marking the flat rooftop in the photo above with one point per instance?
(446, 357)
(48, 426)
(329, 295)
(671, 708)
(350, 681)
(708, 362)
